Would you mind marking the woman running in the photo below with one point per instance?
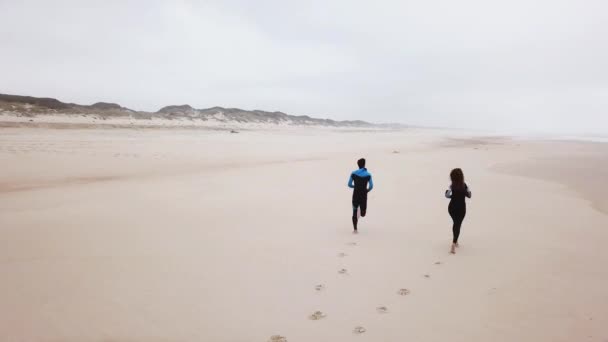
(458, 207)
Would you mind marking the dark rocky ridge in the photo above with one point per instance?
(106, 106)
(37, 101)
(176, 109)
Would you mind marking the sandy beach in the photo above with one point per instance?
(170, 234)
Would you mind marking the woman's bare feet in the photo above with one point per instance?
(453, 249)
(457, 245)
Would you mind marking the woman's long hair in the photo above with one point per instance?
(457, 178)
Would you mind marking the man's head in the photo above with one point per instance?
(361, 163)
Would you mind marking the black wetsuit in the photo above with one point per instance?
(359, 180)
(457, 208)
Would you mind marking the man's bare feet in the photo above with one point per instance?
(453, 249)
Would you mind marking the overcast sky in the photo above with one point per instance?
(515, 65)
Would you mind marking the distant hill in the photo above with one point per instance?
(106, 106)
(43, 102)
(32, 106)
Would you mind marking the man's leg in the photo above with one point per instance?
(355, 219)
(363, 208)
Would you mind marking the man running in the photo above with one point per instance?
(360, 178)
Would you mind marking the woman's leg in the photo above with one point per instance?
(458, 223)
(454, 238)
(457, 215)
(454, 217)
(456, 229)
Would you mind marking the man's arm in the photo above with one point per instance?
(350, 181)
(371, 184)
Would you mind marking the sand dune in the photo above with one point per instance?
(197, 235)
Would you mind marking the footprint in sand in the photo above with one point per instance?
(438, 263)
(403, 292)
(320, 287)
(382, 309)
(352, 243)
(342, 255)
(359, 330)
(343, 271)
(277, 338)
(427, 276)
(317, 315)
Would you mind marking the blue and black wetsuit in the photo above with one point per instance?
(359, 180)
